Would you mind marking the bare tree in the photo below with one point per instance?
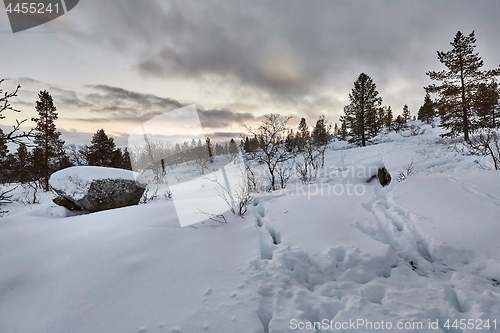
(14, 136)
(202, 157)
(486, 144)
(309, 161)
(238, 200)
(284, 172)
(272, 152)
(76, 154)
(153, 157)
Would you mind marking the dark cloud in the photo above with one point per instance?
(116, 104)
(227, 135)
(293, 49)
(115, 94)
(223, 118)
(121, 104)
(64, 99)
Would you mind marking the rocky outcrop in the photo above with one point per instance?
(96, 188)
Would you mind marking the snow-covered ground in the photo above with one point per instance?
(420, 253)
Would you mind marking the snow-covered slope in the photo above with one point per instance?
(422, 251)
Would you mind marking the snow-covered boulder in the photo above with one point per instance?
(367, 172)
(95, 188)
(384, 177)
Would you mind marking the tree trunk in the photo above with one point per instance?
(363, 139)
(46, 156)
(465, 116)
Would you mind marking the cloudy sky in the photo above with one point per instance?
(115, 64)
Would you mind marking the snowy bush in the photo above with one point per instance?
(486, 144)
(403, 174)
(30, 194)
(5, 198)
(412, 130)
(238, 200)
(253, 182)
(149, 194)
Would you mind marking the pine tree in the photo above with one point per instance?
(343, 132)
(302, 135)
(381, 114)
(406, 114)
(209, 147)
(335, 130)
(4, 150)
(102, 150)
(388, 118)
(399, 123)
(291, 142)
(126, 163)
(49, 146)
(321, 132)
(487, 106)
(233, 149)
(247, 146)
(427, 111)
(361, 114)
(219, 149)
(320, 136)
(8, 170)
(459, 84)
(117, 159)
(22, 164)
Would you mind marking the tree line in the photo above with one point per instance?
(41, 151)
(466, 98)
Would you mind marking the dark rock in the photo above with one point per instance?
(103, 194)
(66, 203)
(106, 194)
(384, 177)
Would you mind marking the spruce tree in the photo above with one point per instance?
(459, 84)
(125, 160)
(406, 113)
(101, 151)
(233, 149)
(321, 132)
(427, 111)
(361, 114)
(49, 146)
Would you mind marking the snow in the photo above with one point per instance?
(423, 250)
